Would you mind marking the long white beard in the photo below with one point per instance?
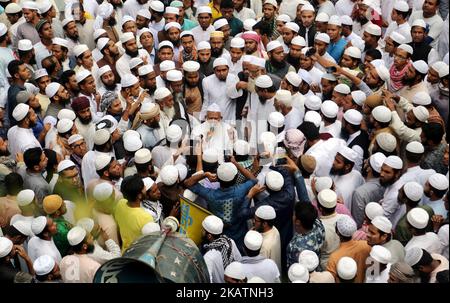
(170, 112)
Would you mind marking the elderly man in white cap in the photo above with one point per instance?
(254, 263)
(10, 271)
(82, 244)
(435, 189)
(358, 250)
(264, 224)
(42, 243)
(380, 233)
(345, 177)
(219, 249)
(221, 88)
(418, 220)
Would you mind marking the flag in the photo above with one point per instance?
(192, 216)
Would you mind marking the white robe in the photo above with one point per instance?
(324, 153)
(38, 247)
(200, 34)
(392, 210)
(429, 241)
(346, 185)
(21, 139)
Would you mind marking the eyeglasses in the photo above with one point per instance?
(400, 57)
(78, 145)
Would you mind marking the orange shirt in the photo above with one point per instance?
(358, 250)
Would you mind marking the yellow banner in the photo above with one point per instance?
(192, 216)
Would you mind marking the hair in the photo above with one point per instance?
(131, 187)
(432, 131)
(77, 248)
(52, 161)
(329, 120)
(263, 27)
(251, 253)
(228, 184)
(403, 14)
(12, 232)
(374, 172)
(439, 193)
(354, 127)
(426, 259)
(373, 53)
(310, 130)
(3, 38)
(32, 156)
(13, 67)
(306, 213)
(326, 211)
(442, 276)
(66, 76)
(413, 157)
(226, 4)
(210, 167)
(52, 66)
(142, 167)
(305, 174)
(13, 183)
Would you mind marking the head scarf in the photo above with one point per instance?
(107, 98)
(145, 116)
(255, 37)
(80, 103)
(294, 140)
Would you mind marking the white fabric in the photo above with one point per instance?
(346, 185)
(38, 247)
(27, 140)
(392, 210)
(429, 241)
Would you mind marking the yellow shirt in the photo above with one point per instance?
(130, 221)
(215, 13)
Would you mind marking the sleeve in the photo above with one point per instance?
(358, 207)
(205, 99)
(113, 249)
(202, 191)
(436, 29)
(390, 206)
(405, 105)
(365, 88)
(302, 192)
(433, 56)
(231, 82)
(402, 131)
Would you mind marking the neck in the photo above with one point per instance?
(286, 110)
(35, 21)
(136, 203)
(409, 165)
(428, 15)
(46, 42)
(19, 82)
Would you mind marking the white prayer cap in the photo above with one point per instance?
(220, 62)
(11, 8)
(174, 75)
(76, 235)
(438, 181)
(401, 6)
(38, 224)
(182, 171)
(235, 270)
(322, 17)
(241, 147)
(327, 198)
(157, 6)
(329, 109)
(142, 156)
(284, 18)
(165, 43)
(346, 268)
(394, 161)
(253, 240)
(44, 6)
(52, 89)
(161, 93)
(186, 33)
(169, 26)
(144, 13)
(132, 143)
(23, 96)
(382, 223)
(407, 48)
(382, 114)
(97, 33)
(273, 45)
(213, 225)
(203, 45)
(441, 68)
(25, 45)
(214, 108)
(334, 20)
(421, 98)
(174, 133)
(65, 164)
(190, 195)
(276, 119)
(274, 180)
(308, 7)
(376, 161)
(273, 2)
(381, 254)
(353, 52)
(415, 147)
(226, 172)
(103, 191)
(210, 155)
(101, 161)
(150, 228)
(299, 40)
(421, 66)
(255, 279)
(23, 226)
(348, 153)
(172, 10)
(298, 273)
(166, 65)
(397, 37)
(103, 70)
(101, 43)
(30, 5)
(268, 138)
(64, 125)
(413, 255)
(284, 96)
(40, 73)
(313, 102)
(421, 113)
(25, 197)
(266, 212)
(373, 29)
(323, 37)
(309, 259)
(126, 19)
(353, 116)
(145, 70)
(74, 138)
(346, 226)
(204, 10)
(358, 97)
(386, 141)
(80, 49)
(237, 42)
(249, 23)
(148, 182)
(86, 223)
(314, 117)
(6, 246)
(419, 22)
(323, 183)
(382, 72)
(101, 136)
(83, 74)
(413, 191)
(342, 89)
(264, 81)
(293, 78)
(373, 209)
(219, 23)
(418, 218)
(169, 175)
(126, 37)
(292, 26)
(345, 20)
(260, 62)
(358, 42)
(20, 111)
(67, 21)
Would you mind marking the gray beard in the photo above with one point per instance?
(170, 112)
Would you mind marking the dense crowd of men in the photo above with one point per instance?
(313, 132)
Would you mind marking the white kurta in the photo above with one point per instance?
(88, 170)
(333, 129)
(257, 116)
(132, 7)
(21, 139)
(78, 269)
(429, 241)
(270, 247)
(261, 267)
(346, 185)
(293, 119)
(417, 174)
(87, 131)
(213, 260)
(324, 153)
(200, 34)
(392, 210)
(38, 247)
(123, 64)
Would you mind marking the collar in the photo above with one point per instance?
(353, 136)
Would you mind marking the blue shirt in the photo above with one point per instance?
(337, 49)
(188, 25)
